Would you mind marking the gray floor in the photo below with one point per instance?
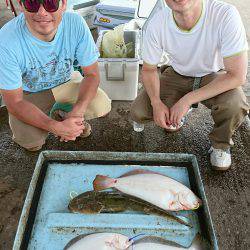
(226, 192)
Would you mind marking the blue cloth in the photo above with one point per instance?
(35, 65)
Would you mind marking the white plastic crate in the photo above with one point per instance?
(119, 76)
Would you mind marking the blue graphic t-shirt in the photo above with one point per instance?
(36, 65)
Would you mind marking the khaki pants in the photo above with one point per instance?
(29, 137)
(227, 109)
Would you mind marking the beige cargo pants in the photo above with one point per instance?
(227, 109)
(30, 137)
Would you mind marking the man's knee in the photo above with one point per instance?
(137, 114)
(105, 108)
(30, 145)
(34, 149)
(234, 102)
(100, 106)
(141, 109)
(27, 136)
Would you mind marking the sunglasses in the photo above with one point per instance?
(34, 5)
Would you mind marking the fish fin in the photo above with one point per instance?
(139, 171)
(102, 182)
(101, 209)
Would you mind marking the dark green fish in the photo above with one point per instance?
(92, 202)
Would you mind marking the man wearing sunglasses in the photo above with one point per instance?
(38, 50)
(207, 47)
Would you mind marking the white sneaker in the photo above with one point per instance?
(220, 159)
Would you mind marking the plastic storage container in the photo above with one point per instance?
(46, 222)
(119, 76)
(111, 13)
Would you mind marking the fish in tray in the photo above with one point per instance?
(155, 188)
(156, 243)
(99, 241)
(114, 202)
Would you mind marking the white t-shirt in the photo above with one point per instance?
(219, 33)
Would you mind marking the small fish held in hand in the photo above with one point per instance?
(157, 189)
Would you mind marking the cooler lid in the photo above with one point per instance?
(79, 4)
(114, 7)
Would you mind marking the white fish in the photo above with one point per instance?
(99, 241)
(152, 187)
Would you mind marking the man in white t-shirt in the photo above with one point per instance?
(207, 47)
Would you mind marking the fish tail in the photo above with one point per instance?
(102, 182)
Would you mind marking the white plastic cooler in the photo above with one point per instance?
(119, 76)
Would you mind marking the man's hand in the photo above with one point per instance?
(77, 111)
(178, 111)
(161, 114)
(151, 83)
(68, 129)
(74, 114)
(81, 122)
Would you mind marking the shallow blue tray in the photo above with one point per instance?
(46, 222)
